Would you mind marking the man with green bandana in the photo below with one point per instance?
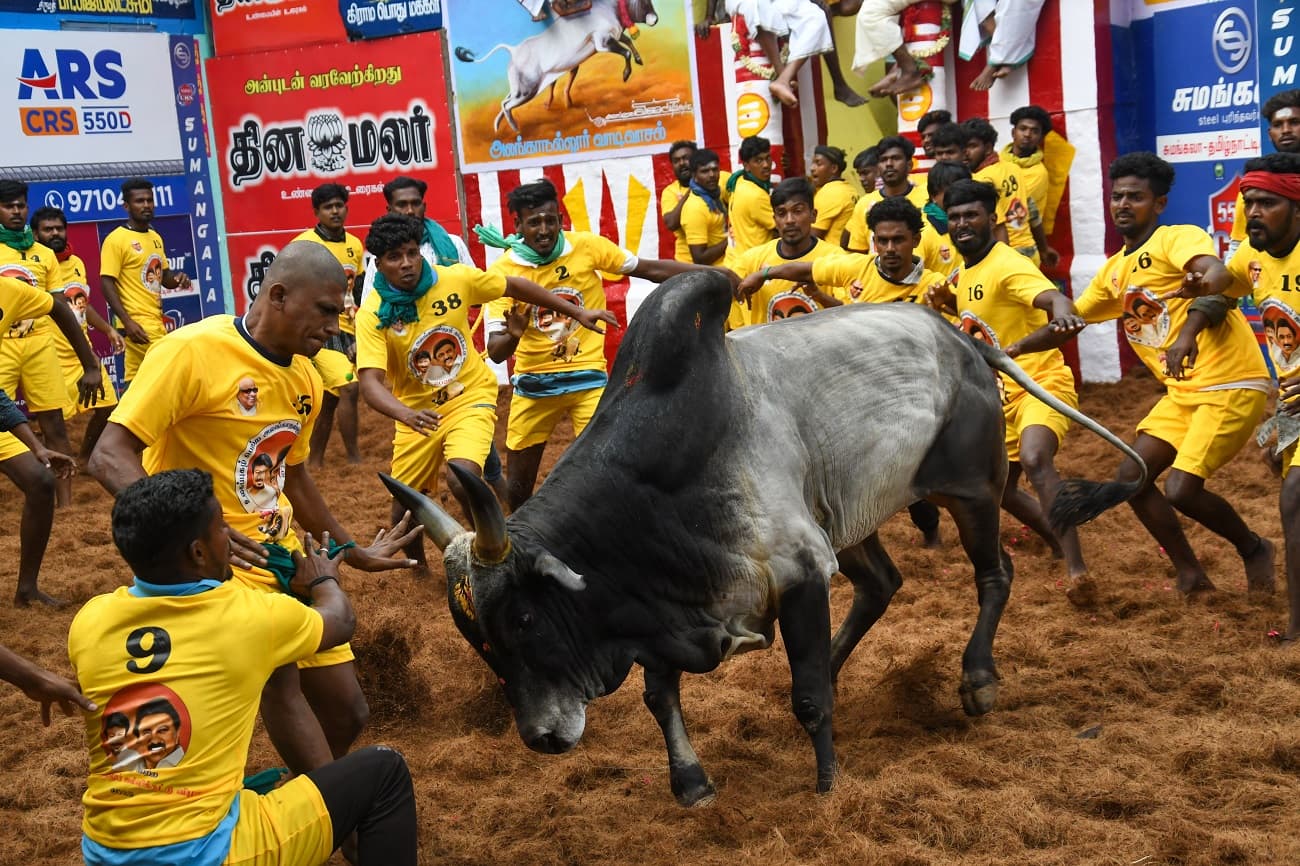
(559, 368)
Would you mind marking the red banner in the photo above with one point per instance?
(326, 114)
(241, 26)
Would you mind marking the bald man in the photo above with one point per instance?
(237, 397)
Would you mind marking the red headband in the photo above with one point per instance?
(1285, 185)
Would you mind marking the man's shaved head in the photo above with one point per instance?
(306, 263)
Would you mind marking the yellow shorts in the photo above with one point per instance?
(72, 375)
(156, 330)
(32, 364)
(465, 434)
(263, 581)
(1207, 427)
(336, 371)
(288, 826)
(532, 419)
(1026, 410)
(10, 447)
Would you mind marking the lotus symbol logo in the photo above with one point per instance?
(1231, 41)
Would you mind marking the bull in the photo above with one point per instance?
(538, 61)
(721, 483)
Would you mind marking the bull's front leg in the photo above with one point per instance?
(691, 785)
(805, 620)
(636, 55)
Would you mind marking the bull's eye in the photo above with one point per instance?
(524, 622)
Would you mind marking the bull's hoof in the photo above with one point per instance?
(692, 786)
(979, 692)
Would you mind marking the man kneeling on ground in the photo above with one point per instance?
(177, 695)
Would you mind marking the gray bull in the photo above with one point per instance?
(721, 483)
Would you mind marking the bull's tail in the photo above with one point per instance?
(467, 56)
(1077, 500)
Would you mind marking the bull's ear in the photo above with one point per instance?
(550, 566)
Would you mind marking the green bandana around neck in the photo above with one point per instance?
(443, 249)
(20, 241)
(491, 236)
(396, 305)
(766, 186)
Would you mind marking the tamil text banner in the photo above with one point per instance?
(243, 26)
(610, 78)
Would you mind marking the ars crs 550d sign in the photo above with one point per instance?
(78, 102)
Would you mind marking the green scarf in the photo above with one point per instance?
(491, 236)
(396, 305)
(443, 249)
(279, 561)
(735, 179)
(20, 241)
(938, 217)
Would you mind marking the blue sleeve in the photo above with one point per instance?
(10, 415)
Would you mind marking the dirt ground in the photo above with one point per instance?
(1143, 731)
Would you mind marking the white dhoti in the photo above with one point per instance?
(802, 21)
(879, 32)
(1015, 28)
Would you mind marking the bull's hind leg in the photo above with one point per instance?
(691, 785)
(977, 524)
(875, 580)
(805, 620)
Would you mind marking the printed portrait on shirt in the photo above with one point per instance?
(1145, 318)
(78, 298)
(561, 330)
(22, 327)
(259, 476)
(1282, 333)
(152, 273)
(786, 304)
(435, 360)
(145, 727)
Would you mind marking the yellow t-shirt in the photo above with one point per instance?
(137, 261)
(20, 302)
(1129, 286)
(667, 201)
(702, 227)
(349, 253)
(71, 274)
(1035, 178)
(1275, 283)
(553, 343)
(1013, 201)
(177, 680)
(995, 303)
(36, 266)
(432, 363)
(834, 203)
(865, 284)
(750, 212)
(193, 405)
(780, 299)
(937, 250)
(859, 234)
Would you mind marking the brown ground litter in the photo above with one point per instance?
(1141, 731)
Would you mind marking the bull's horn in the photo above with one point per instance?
(439, 525)
(491, 543)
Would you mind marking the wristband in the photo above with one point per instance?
(766, 271)
(321, 579)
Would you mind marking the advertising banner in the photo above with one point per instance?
(328, 114)
(243, 26)
(1279, 53)
(368, 19)
(132, 9)
(85, 105)
(609, 78)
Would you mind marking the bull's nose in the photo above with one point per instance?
(652, 19)
(547, 742)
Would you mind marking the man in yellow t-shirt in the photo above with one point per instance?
(413, 331)
(247, 421)
(673, 198)
(835, 195)
(748, 195)
(1206, 355)
(23, 458)
(935, 246)
(133, 272)
(29, 358)
(1282, 113)
(1002, 299)
(704, 216)
(1016, 210)
(336, 363)
(895, 160)
(768, 299)
(1271, 187)
(559, 367)
(173, 666)
(71, 283)
(1030, 124)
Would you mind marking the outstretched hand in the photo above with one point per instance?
(1180, 358)
(747, 288)
(379, 556)
(1192, 286)
(589, 318)
(940, 297)
(49, 689)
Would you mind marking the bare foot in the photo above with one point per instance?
(985, 79)
(1195, 587)
(354, 459)
(784, 94)
(907, 81)
(24, 598)
(882, 87)
(848, 96)
(1082, 591)
(1259, 568)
